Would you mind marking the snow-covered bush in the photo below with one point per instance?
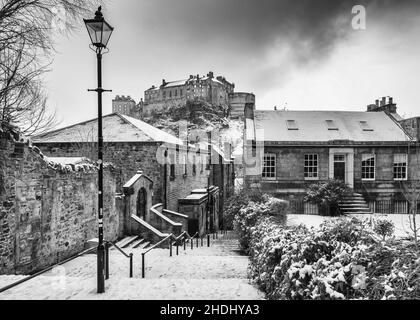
(246, 218)
(237, 201)
(327, 194)
(299, 263)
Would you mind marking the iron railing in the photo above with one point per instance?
(14, 284)
(129, 256)
(182, 239)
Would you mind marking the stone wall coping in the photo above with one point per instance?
(149, 227)
(175, 213)
(162, 216)
(135, 178)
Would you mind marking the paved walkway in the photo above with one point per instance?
(217, 272)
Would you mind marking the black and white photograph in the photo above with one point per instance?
(210, 156)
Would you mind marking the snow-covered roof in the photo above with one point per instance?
(323, 126)
(116, 128)
(175, 83)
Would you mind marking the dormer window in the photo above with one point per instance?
(331, 125)
(365, 126)
(292, 125)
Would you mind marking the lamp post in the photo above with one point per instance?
(99, 32)
(208, 172)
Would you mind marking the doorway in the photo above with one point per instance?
(142, 203)
(340, 167)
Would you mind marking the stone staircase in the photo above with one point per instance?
(133, 242)
(354, 203)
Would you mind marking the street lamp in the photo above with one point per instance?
(99, 32)
(208, 173)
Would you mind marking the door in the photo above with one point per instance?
(340, 167)
(142, 203)
(193, 226)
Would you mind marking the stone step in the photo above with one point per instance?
(343, 204)
(353, 197)
(144, 245)
(126, 241)
(136, 243)
(358, 212)
(353, 205)
(355, 208)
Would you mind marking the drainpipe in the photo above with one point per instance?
(165, 179)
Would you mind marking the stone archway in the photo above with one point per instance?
(141, 209)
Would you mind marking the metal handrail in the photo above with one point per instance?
(159, 243)
(129, 256)
(119, 249)
(170, 236)
(46, 269)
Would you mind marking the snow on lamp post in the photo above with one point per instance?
(99, 32)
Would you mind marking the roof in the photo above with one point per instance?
(116, 128)
(312, 126)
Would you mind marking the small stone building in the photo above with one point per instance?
(201, 218)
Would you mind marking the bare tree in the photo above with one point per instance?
(27, 28)
(86, 144)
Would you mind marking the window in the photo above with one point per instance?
(176, 93)
(368, 166)
(291, 125)
(180, 92)
(170, 93)
(365, 126)
(339, 158)
(172, 167)
(194, 167)
(331, 125)
(400, 166)
(311, 166)
(185, 166)
(269, 166)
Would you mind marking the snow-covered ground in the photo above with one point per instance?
(401, 221)
(217, 272)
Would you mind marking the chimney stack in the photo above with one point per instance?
(383, 102)
(377, 102)
(391, 100)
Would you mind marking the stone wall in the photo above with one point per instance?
(185, 179)
(127, 157)
(48, 212)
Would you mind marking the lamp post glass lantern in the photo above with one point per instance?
(99, 32)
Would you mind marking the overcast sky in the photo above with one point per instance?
(299, 54)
